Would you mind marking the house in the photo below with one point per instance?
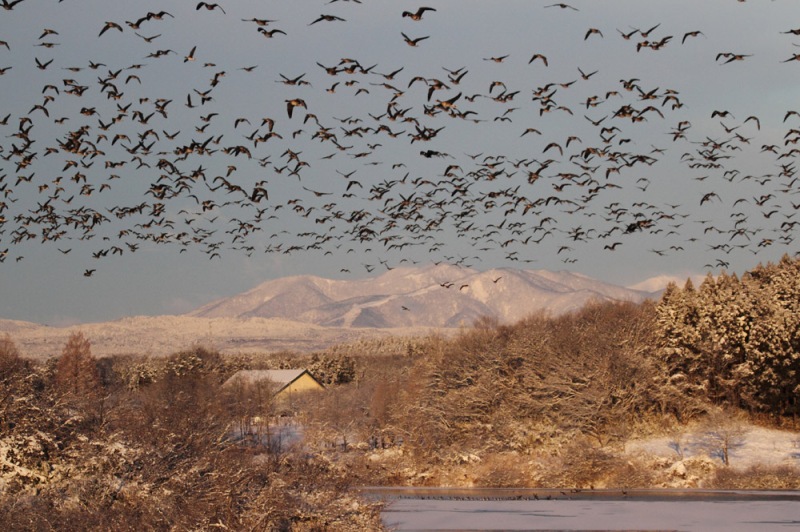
(256, 393)
(286, 381)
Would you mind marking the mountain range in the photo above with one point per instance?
(434, 296)
(308, 313)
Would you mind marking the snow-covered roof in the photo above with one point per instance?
(281, 377)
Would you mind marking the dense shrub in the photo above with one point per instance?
(591, 372)
(757, 477)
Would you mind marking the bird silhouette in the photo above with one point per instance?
(295, 102)
(108, 26)
(413, 42)
(563, 6)
(417, 15)
(538, 56)
(209, 7)
(327, 18)
(77, 140)
(9, 5)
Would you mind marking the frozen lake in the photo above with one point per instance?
(685, 510)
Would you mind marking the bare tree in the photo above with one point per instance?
(10, 360)
(77, 379)
(11, 378)
(725, 431)
(252, 407)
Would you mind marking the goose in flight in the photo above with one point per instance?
(413, 42)
(538, 56)
(209, 7)
(417, 15)
(270, 33)
(327, 18)
(296, 102)
(190, 56)
(563, 6)
(108, 26)
(8, 6)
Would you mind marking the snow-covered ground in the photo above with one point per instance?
(751, 445)
(689, 510)
(163, 335)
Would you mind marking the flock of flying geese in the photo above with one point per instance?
(112, 157)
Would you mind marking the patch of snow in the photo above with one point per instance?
(756, 446)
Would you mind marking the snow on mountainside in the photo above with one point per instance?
(434, 296)
(659, 283)
(307, 313)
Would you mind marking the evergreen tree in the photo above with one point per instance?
(736, 341)
(773, 369)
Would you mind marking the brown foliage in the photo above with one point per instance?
(11, 363)
(580, 464)
(543, 402)
(165, 458)
(15, 384)
(591, 372)
(76, 369)
(757, 477)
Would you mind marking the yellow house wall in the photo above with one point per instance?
(304, 383)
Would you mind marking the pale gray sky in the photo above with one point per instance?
(634, 171)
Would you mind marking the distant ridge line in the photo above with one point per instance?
(440, 295)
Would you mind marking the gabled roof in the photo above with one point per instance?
(281, 377)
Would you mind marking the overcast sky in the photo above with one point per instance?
(625, 155)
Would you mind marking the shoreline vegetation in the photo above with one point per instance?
(553, 403)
